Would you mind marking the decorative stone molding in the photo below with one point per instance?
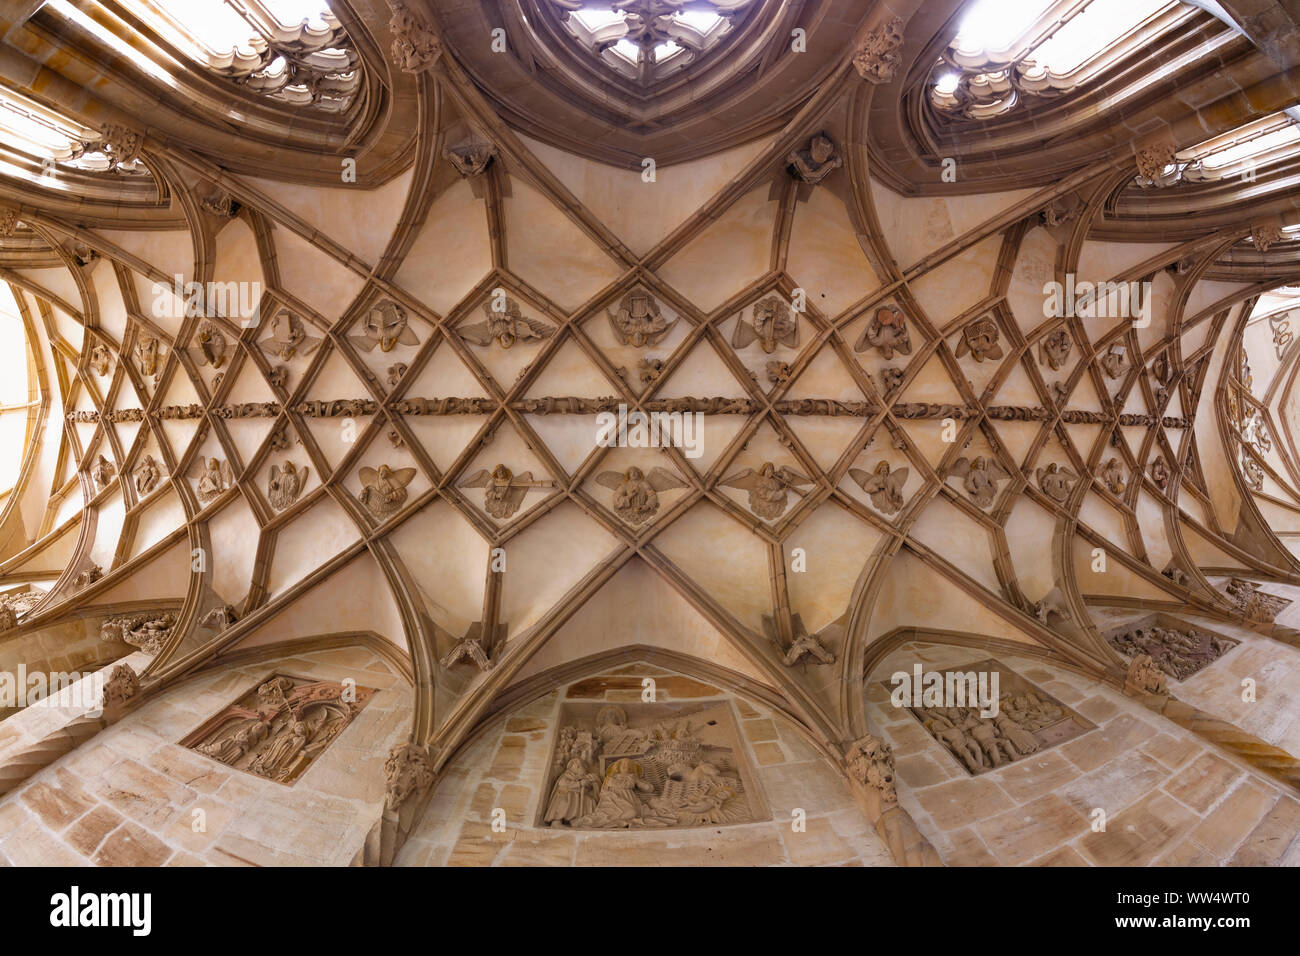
(870, 762)
(408, 773)
(878, 59)
(416, 46)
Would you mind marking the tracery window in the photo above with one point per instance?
(294, 51)
(647, 40)
(1239, 152)
(1005, 52)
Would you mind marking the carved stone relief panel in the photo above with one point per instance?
(1174, 646)
(648, 766)
(1027, 720)
(280, 727)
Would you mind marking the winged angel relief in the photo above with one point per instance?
(503, 490)
(768, 488)
(505, 327)
(636, 498)
(383, 490)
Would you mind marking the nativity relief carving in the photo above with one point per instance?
(278, 729)
(648, 766)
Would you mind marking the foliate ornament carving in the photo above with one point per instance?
(285, 484)
(1265, 232)
(980, 339)
(214, 478)
(1160, 473)
(100, 358)
(288, 336)
(471, 156)
(121, 145)
(408, 772)
(639, 322)
(505, 327)
(395, 373)
(769, 487)
(383, 490)
(387, 326)
(503, 490)
(1054, 351)
(884, 486)
(416, 46)
(891, 378)
(15, 603)
(668, 765)
(815, 161)
(1112, 475)
(870, 761)
(980, 477)
(147, 474)
(278, 377)
(648, 370)
(886, 333)
(878, 59)
(1056, 481)
(636, 493)
(103, 472)
(1144, 677)
(778, 373)
(122, 685)
(211, 345)
(774, 324)
(278, 729)
(149, 631)
(1154, 155)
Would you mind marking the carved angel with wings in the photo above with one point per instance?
(383, 490)
(504, 490)
(638, 321)
(886, 333)
(980, 478)
(385, 325)
(506, 327)
(1056, 481)
(211, 347)
(213, 476)
(288, 337)
(768, 487)
(773, 325)
(285, 485)
(884, 487)
(636, 497)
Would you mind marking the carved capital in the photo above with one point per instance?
(408, 772)
(416, 46)
(877, 60)
(870, 762)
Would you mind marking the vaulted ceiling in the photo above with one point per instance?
(946, 456)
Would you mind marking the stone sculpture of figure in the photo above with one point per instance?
(385, 325)
(503, 490)
(613, 733)
(212, 345)
(1160, 472)
(1018, 741)
(214, 477)
(384, 490)
(984, 733)
(1056, 481)
(980, 339)
(886, 333)
(980, 478)
(505, 327)
(774, 324)
(237, 744)
(636, 493)
(147, 473)
(146, 351)
(815, 161)
(955, 739)
(278, 758)
(285, 485)
(870, 761)
(884, 486)
(1055, 349)
(1113, 363)
(99, 359)
(1112, 474)
(574, 794)
(619, 805)
(639, 321)
(407, 771)
(807, 645)
(1145, 677)
(103, 472)
(768, 487)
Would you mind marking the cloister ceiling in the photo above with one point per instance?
(896, 436)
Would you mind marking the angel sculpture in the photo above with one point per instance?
(146, 351)
(505, 328)
(884, 486)
(214, 477)
(147, 473)
(1056, 481)
(980, 339)
(639, 322)
(636, 497)
(288, 338)
(212, 346)
(887, 333)
(100, 357)
(768, 487)
(103, 472)
(773, 325)
(285, 485)
(385, 325)
(504, 490)
(1113, 363)
(1112, 473)
(980, 478)
(384, 490)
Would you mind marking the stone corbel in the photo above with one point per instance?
(1154, 153)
